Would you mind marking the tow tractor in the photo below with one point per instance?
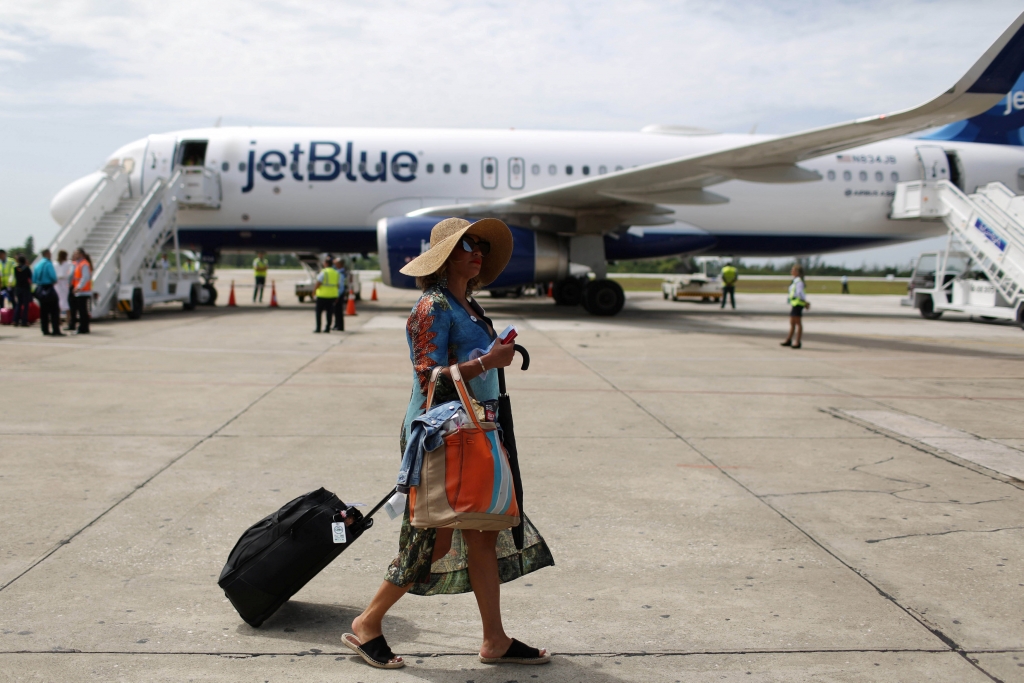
(981, 271)
(705, 284)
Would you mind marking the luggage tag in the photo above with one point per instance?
(395, 506)
(338, 528)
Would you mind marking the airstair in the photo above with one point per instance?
(125, 235)
(986, 233)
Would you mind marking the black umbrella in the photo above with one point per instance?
(508, 435)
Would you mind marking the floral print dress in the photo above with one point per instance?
(440, 332)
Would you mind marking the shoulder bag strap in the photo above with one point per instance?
(434, 375)
(460, 386)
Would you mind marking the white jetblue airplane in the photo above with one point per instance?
(587, 197)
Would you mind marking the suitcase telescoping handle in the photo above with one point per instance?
(381, 504)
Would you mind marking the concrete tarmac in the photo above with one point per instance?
(719, 507)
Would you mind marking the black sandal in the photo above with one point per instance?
(518, 653)
(374, 652)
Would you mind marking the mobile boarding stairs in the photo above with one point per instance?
(981, 273)
(126, 235)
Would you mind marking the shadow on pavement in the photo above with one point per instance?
(318, 624)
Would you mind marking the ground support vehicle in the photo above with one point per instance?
(981, 272)
(704, 285)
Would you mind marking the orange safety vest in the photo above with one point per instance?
(78, 278)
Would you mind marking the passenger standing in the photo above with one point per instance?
(846, 284)
(44, 276)
(339, 306)
(729, 278)
(7, 266)
(22, 279)
(797, 303)
(81, 282)
(64, 270)
(326, 294)
(259, 271)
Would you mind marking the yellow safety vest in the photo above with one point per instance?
(7, 273)
(793, 300)
(259, 267)
(729, 275)
(328, 289)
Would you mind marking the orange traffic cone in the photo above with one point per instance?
(273, 294)
(231, 299)
(551, 289)
(373, 297)
(351, 308)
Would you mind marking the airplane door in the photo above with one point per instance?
(934, 163)
(516, 173)
(489, 173)
(159, 160)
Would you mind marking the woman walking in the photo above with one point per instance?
(445, 326)
(797, 303)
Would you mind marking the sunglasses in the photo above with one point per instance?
(469, 244)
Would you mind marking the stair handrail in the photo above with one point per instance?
(111, 175)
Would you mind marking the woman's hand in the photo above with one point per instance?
(500, 356)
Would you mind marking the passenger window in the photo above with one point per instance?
(447, 168)
(863, 175)
(847, 175)
(241, 166)
(535, 169)
(894, 176)
(601, 170)
(430, 168)
(552, 169)
(618, 168)
(831, 175)
(225, 167)
(879, 176)
(586, 170)
(568, 169)
(464, 168)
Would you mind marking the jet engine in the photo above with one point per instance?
(536, 256)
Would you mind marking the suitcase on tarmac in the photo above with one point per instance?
(6, 316)
(33, 312)
(278, 555)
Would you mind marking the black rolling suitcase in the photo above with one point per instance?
(278, 555)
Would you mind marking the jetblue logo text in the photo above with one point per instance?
(324, 161)
(1015, 100)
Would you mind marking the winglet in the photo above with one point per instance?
(1000, 66)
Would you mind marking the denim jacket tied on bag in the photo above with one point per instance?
(426, 433)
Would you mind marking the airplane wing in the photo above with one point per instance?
(637, 191)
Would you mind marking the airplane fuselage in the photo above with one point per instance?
(325, 188)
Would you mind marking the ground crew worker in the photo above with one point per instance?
(259, 269)
(729, 278)
(846, 284)
(339, 306)
(81, 288)
(326, 293)
(797, 303)
(7, 266)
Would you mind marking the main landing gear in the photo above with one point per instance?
(599, 297)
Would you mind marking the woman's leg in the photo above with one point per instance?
(483, 576)
(792, 327)
(799, 329)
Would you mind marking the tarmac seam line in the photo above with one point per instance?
(945, 533)
(949, 642)
(65, 541)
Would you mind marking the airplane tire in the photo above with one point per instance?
(135, 312)
(193, 298)
(927, 309)
(211, 295)
(604, 297)
(568, 292)
(1020, 316)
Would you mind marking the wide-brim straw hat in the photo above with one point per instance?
(445, 237)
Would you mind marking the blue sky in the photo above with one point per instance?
(79, 78)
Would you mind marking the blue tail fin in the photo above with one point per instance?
(1003, 124)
